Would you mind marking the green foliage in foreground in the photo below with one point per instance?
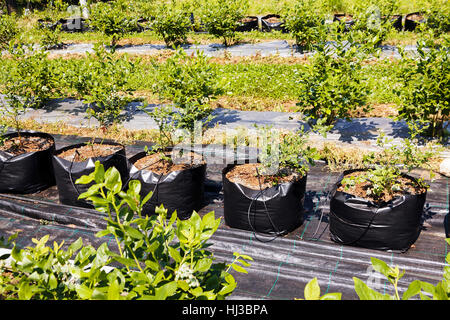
(157, 258)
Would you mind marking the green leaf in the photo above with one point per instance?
(125, 261)
(366, 293)
(52, 281)
(440, 293)
(413, 289)
(99, 173)
(84, 292)
(133, 233)
(113, 182)
(25, 291)
(183, 285)
(175, 254)
(312, 290)
(332, 296)
(134, 188)
(86, 179)
(427, 287)
(238, 268)
(152, 265)
(114, 290)
(146, 198)
(380, 266)
(166, 290)
(196, 222)
(102, 233)
(92, 191)
(203, 265)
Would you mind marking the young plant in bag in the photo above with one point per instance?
(382, 178)
(291, 157)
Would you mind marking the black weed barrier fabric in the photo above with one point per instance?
(281, 267)
(29, 172)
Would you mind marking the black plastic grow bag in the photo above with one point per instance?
(29, 172)
(67, 172)
(249, 23)
(274, 211)
(396, 21)
(181, 190)
(76, 24)
(410, 23)
(269, 26)
(341, 18)
(355, 221)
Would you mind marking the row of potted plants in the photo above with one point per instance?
(378, 206)
(30, 163)
(268, 22)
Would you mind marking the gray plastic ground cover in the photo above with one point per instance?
(282, 267)
(361, 132)
(281, 48)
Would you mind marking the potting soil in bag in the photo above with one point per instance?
(356, 221)
(274, 211)
(181, 190)
(67, 172)
(28, 172)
